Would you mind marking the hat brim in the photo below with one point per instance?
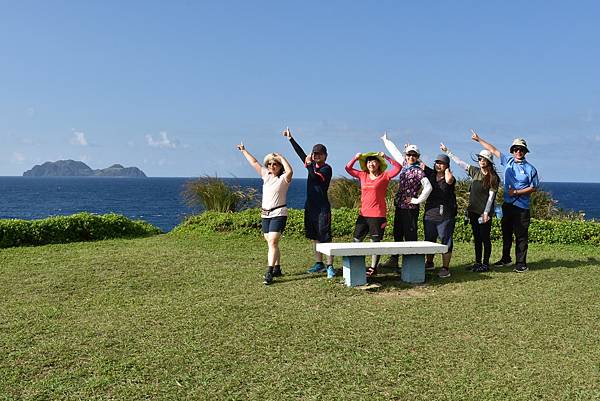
(362, 160)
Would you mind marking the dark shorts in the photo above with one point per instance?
(273, 224)
(317, 225)
(442, 229)
(374, 226)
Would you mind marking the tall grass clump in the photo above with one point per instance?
(344, 192)
(211, 193)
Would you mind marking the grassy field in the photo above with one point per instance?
(188, 317)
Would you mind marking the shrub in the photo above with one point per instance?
(248, 222)
(211, 193)
(74, 228)
(344, 193)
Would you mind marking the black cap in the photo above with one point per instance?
(319, 148)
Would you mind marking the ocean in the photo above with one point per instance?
(159, 201)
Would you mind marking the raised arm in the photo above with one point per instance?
(251, 159)
(449, 176)
(299, 151)
(287, 167)
(396, 167)
(350, 167)
(392, 148)
(485, 144)
(454, 158)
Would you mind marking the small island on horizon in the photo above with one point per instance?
(74, 168)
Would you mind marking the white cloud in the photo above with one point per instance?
(78, 138)
(18, 157)
(162, 141)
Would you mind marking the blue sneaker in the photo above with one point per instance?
(318, 267)
(330, 271)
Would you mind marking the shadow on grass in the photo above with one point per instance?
(552, 263)
(388, 280)
(287, 277)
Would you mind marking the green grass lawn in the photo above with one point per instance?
(188, 318)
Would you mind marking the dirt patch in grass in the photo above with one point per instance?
(420, 291)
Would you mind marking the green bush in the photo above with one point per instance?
(248, 222)
(211, 193)
(344, 193)
(73, 228)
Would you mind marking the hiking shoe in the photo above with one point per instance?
(429, 266)
(268, 278)
(277, 272)
(318, 267)
(444, 273)
(502, 262)
(473, 268)
(330, 272)
(482, 268)
(391, 263)
(521, 268)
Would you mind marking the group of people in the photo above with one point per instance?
(418, 184)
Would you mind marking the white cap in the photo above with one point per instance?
(412, 148)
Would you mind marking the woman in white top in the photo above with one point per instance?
(276, 174)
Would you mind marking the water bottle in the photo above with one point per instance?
(498, 210)
(480, 220)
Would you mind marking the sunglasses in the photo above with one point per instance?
(518, 149)
(412, 155)
(273, 164)
(480, 158)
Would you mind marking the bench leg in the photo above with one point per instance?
(413, 268)
(355, 273)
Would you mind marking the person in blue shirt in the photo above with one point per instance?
(317, 209)
(520, 181)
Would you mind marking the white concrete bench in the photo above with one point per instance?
(353, 257)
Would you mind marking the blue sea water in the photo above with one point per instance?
(159, 201)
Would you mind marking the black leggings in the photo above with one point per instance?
(481, 237)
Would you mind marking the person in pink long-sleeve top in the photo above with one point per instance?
(374, 179)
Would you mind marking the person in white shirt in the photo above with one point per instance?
(276, 173)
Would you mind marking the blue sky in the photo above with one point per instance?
(171, 87)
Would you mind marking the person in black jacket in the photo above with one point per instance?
(440, 211)
(317, 209)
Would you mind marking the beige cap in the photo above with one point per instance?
(269, 157)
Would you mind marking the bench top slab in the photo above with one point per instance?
(381, 248)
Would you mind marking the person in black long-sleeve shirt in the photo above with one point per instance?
(317, 209)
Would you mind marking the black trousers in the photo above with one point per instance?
(405, 224)
(481, 238)
(515, 222)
